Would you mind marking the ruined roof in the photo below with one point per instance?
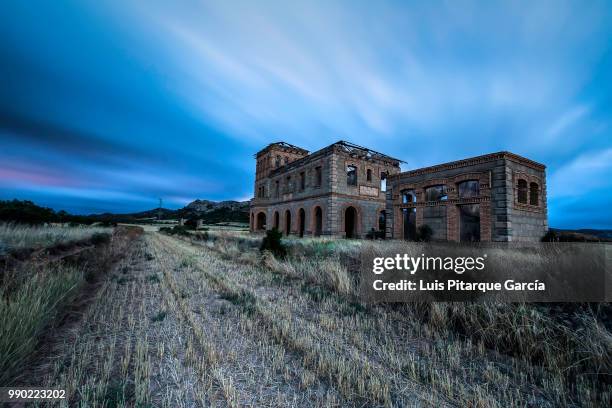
(350, 148)
(364, 152)
(471, 161)
(284, 146)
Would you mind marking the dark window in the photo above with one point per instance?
(408, 196)
(302, 181)
(436, 193)
(534, 192)
(383, 181)
(351, 175)
(277, 189)
(522, 191)
(318, 176)
(369, 175)
(469, 189)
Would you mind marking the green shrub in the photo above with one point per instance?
(201, 236)
(100, 238)
(160, 316)
(375, 234)
(176, 230)
(424, 233)
(273, 242)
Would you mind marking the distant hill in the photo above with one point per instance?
(208, 211)
(587, 235)
(214, 212)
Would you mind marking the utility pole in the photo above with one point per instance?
(159, 210)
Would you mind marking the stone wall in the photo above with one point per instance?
(501, 217)
(526, 222)
(333, 195)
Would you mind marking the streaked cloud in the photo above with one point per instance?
(172, 99)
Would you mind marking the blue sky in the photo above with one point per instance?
(106, 106)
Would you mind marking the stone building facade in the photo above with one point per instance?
(337, 191)
(495, 197)
(344, 190)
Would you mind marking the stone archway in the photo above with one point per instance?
(261, 221)
(301, 222)
(317, 221)
(382, 223)
(276, 221)
(350, 222)
(287, 222)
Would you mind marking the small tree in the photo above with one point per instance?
(550, 236)
(424, 233)
(272, 242)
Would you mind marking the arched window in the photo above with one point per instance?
(408, 196)
(318, 176)
(468, 189)
(383, 181)
(369, 174)
(436, 193)
(534, 192)
(521, 188)
(382, 221)
(351, 175)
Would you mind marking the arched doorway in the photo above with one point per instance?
(261, 221)
(409, 219)
(287, 222)
(301, 222)
(469, 223)
(350, 222)
(382, 223)
(318, 221)
(276, 224)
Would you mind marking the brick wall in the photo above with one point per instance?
(502, 218)
(333, 195)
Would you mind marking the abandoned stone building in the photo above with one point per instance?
(345, 190)
(336, 191)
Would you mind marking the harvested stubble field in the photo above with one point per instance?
(181, 322)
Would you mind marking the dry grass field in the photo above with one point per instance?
(15, 237)
(182, 322)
